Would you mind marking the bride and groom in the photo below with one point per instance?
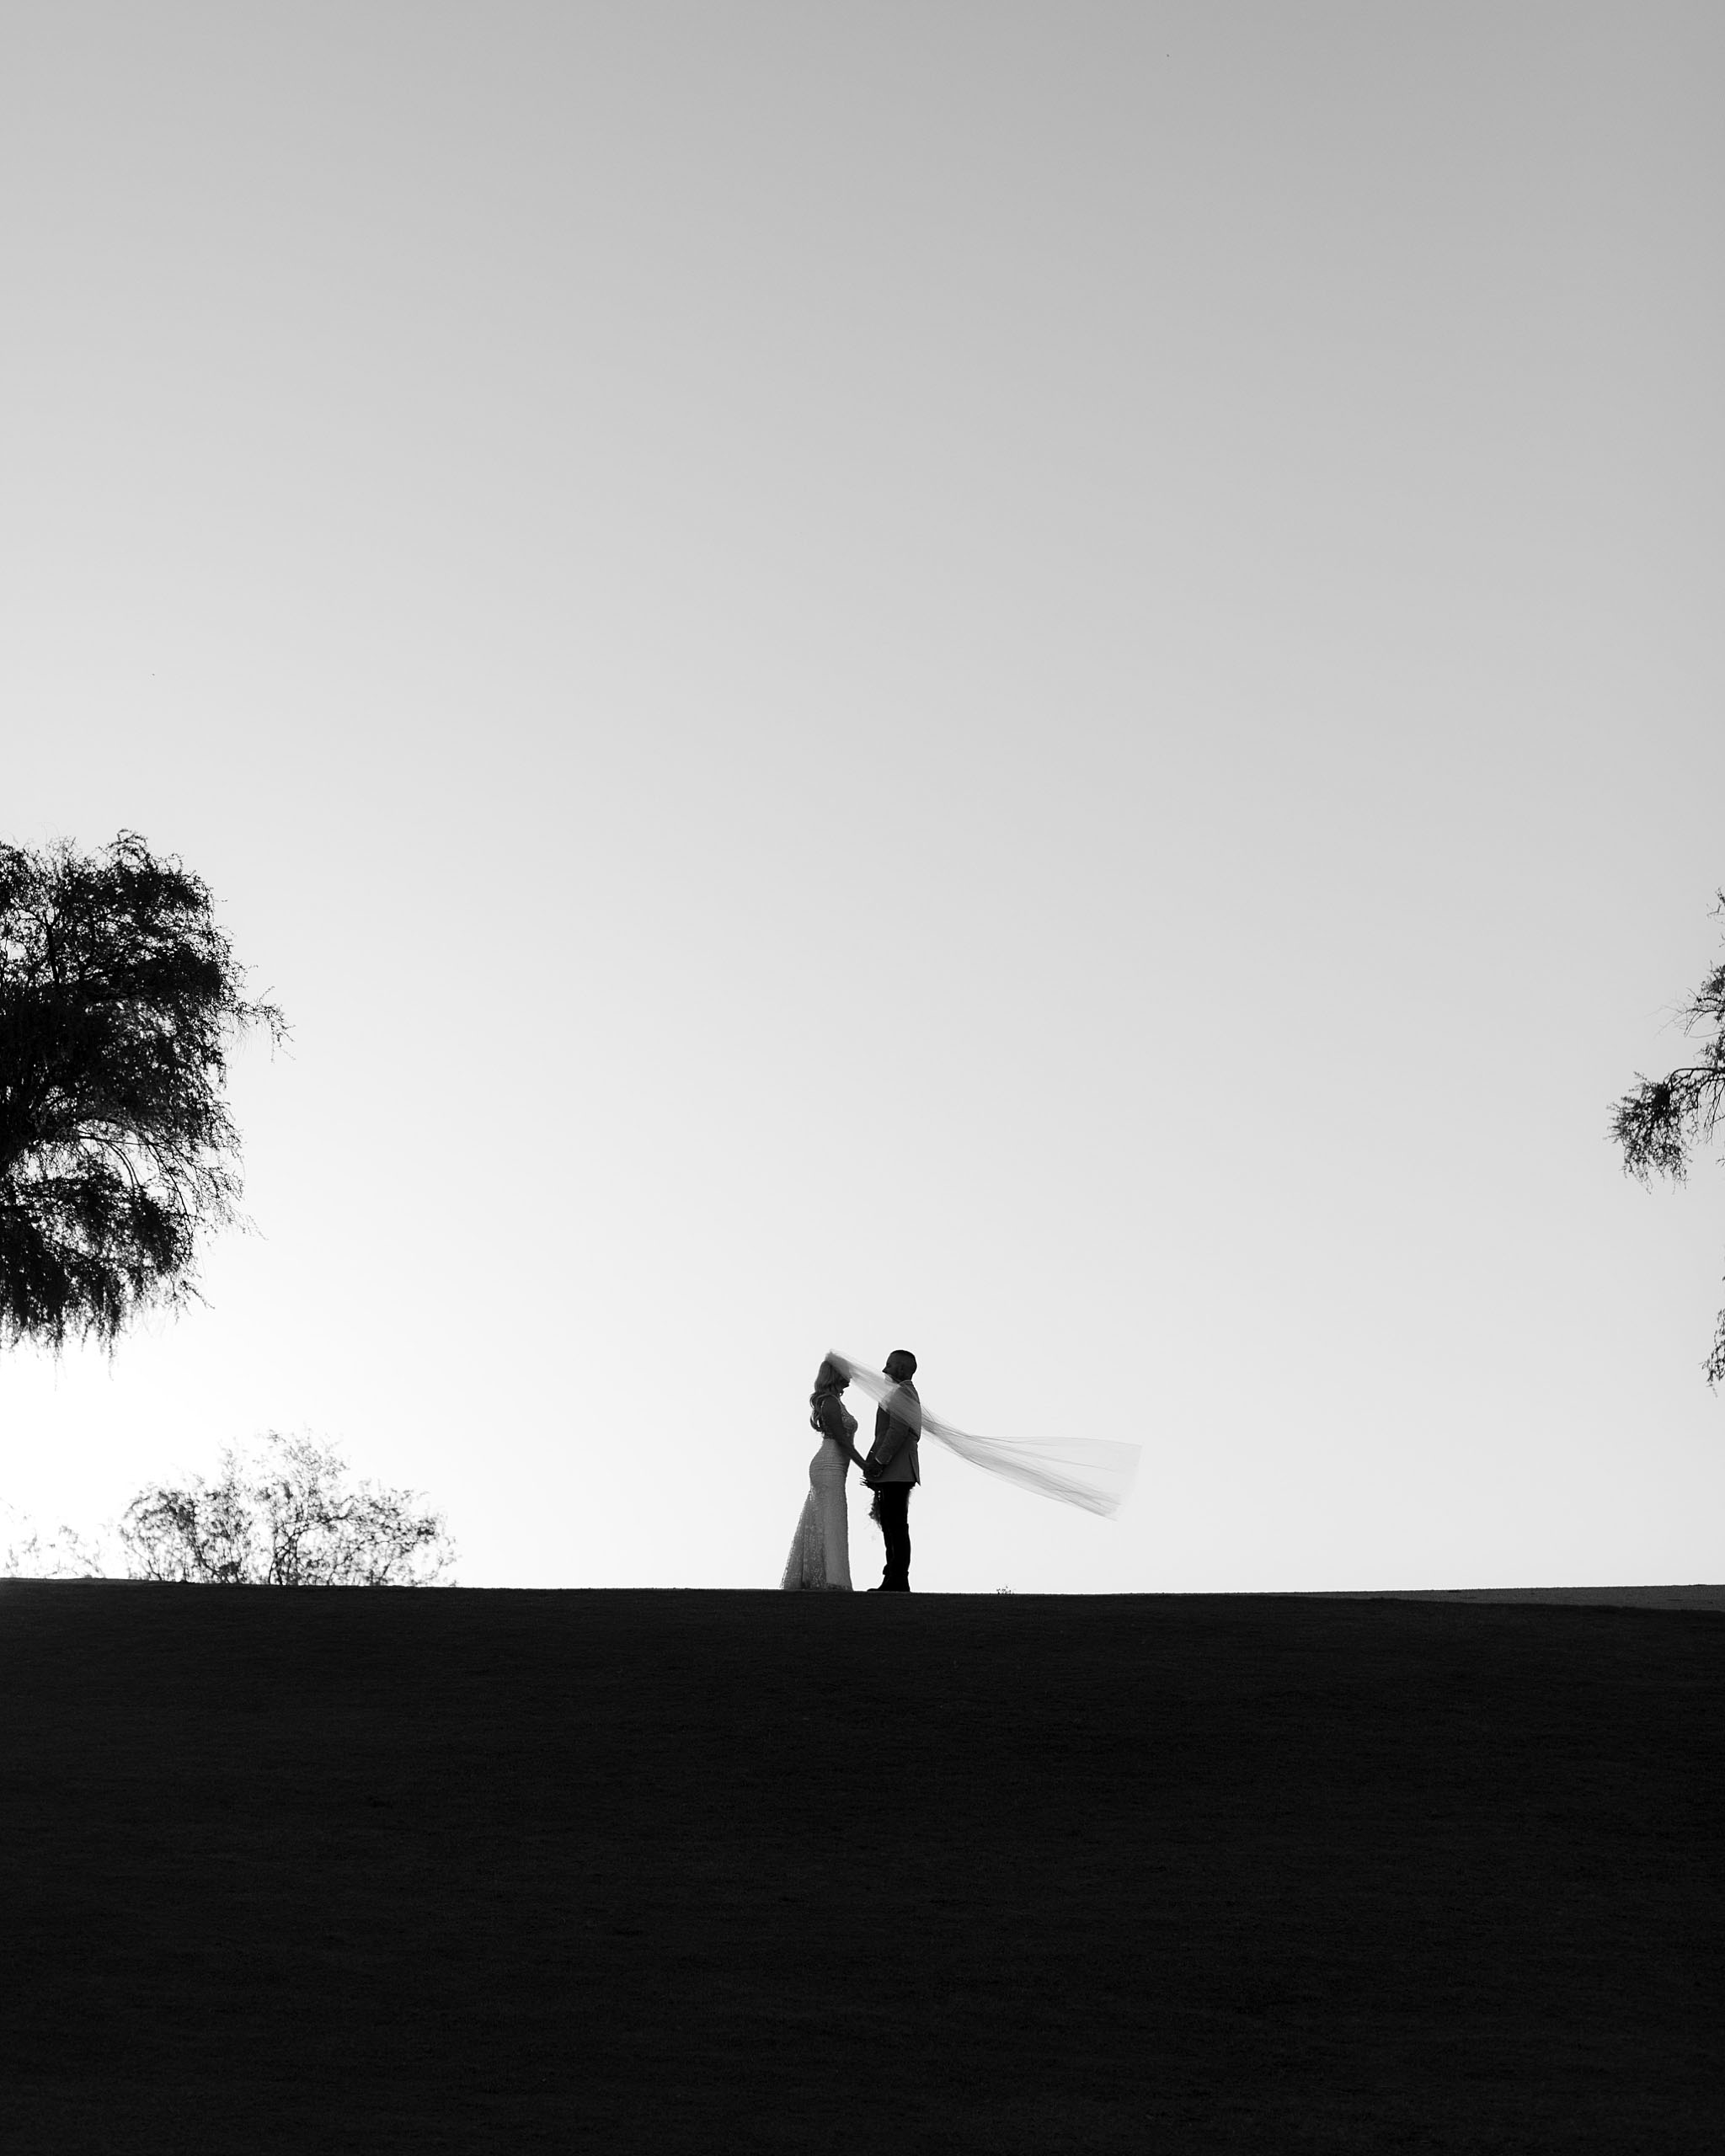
(1095, 1474)
(820, 1552)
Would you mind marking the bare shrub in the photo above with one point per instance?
(286, 1514)
(31, 1554)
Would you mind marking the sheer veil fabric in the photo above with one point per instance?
(1096, 1473)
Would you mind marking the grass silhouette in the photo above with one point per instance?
(320, 1870)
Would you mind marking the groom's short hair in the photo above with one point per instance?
(906, 1364)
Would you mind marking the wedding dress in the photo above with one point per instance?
(820, 1548)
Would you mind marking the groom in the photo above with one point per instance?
(890, 1468)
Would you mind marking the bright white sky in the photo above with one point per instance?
(1041, 682)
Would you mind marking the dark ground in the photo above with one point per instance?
(305, 1870)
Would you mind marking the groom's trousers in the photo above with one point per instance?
(892, 1504)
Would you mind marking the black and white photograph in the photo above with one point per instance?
(862, 1077)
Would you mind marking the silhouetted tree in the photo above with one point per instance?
(287, 1515)
(1657, 1123)
(118, 995)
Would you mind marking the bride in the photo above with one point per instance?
(820, 1549)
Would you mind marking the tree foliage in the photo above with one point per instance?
(286, 1514)
(118, 996)
(1661, 1121)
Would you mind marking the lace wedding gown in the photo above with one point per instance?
(820, 1548)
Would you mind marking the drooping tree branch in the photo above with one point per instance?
(1659, 1124)
(118, 997)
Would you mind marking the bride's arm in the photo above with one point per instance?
(836, 1423)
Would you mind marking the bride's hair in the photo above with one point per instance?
(829, 1384)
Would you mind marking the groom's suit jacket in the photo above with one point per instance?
(898, 1425)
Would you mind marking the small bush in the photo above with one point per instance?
(29, 1555)
(286, 1514)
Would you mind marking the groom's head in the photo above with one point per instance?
(901, 1365)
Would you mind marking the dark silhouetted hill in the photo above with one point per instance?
(315, 1870)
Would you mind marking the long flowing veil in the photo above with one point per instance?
(1094, 1472)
